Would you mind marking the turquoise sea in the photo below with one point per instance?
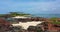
(47, 15)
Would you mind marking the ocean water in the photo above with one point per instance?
(47, 15)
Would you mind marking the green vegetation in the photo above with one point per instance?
(18, 14)
(55, 21)
(53, 18)
(15, 14)
(1, 15)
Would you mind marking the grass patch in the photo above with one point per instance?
(54, 22)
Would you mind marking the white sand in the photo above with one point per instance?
(25, 25)
(20, 17)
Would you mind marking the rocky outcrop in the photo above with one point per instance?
(4, 25)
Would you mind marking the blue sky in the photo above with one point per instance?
(30, 6)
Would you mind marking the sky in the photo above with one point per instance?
(30, 6)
